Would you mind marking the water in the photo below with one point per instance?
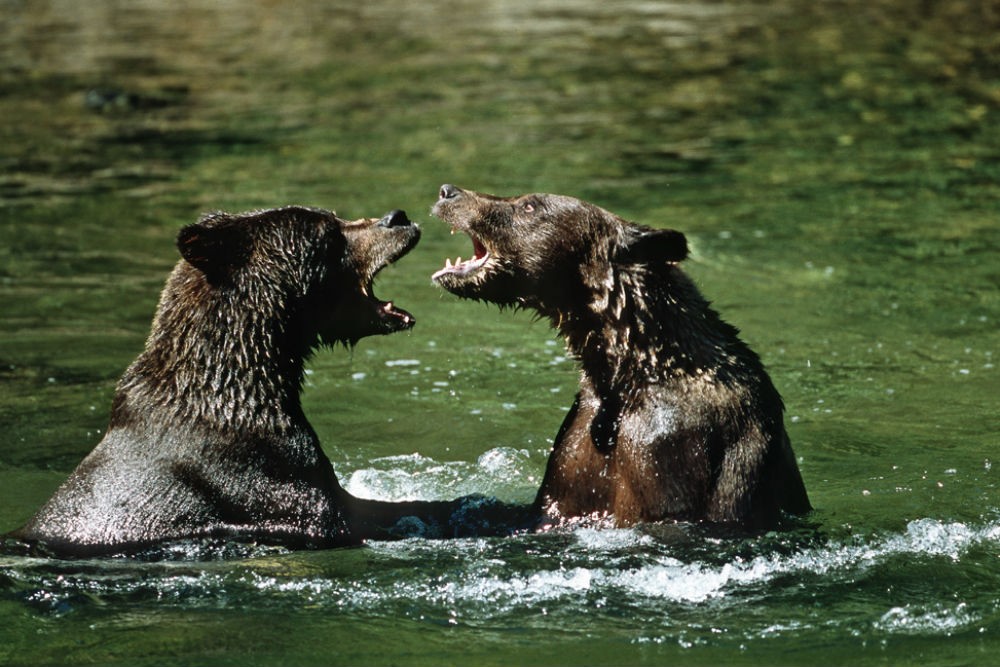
(835, 167)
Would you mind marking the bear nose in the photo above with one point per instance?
(448, 191)
(395, 218)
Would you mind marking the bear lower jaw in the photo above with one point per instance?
(465, 282)
(462, 269)
(392, 318)
(369, 317)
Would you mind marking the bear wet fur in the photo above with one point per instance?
(207, 437)
(676, 418)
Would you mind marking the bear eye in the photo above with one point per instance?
(525, 206)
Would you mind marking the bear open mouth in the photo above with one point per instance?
(390, 317)
(481, 256)
(402, 238)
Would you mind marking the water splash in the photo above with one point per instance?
(932, 618)
(545, 577)
(414, 476)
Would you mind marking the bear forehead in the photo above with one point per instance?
(287, 215)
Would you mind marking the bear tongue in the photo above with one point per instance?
(479, 258)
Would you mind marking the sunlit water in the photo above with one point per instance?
(836, 170)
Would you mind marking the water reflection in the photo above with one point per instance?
(164, 83)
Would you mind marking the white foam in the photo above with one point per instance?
(543, 586)
(612, 539)
(488, 578)
(667, 578)
(673, 580)
(933, 619)
(503, 461)
(630, 563)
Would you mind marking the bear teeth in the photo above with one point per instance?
(462, 268)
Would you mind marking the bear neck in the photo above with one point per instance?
(219, 359)
(645, 326)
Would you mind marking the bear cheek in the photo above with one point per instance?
(347, 319)
(357, 258)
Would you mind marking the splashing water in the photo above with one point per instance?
(659, 573)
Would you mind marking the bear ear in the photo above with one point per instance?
(214, 251)
(651, 246)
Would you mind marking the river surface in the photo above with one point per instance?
(835, 165)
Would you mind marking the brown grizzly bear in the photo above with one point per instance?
(207, 437)
(676, 418)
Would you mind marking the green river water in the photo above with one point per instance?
(835, 165)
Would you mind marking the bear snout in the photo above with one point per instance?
(395, 218)
(448, 191)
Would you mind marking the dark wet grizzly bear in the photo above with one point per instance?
(676, 418)
(207, 437)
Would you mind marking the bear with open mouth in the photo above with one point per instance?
(676, 418)
(207, 437)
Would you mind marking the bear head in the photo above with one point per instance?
(549, 252)
(303, 268)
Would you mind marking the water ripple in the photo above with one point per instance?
(615, 572)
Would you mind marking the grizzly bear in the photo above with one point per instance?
(207, 437)
(676, 418)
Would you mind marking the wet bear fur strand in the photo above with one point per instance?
(207, 437)
(676, 418)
